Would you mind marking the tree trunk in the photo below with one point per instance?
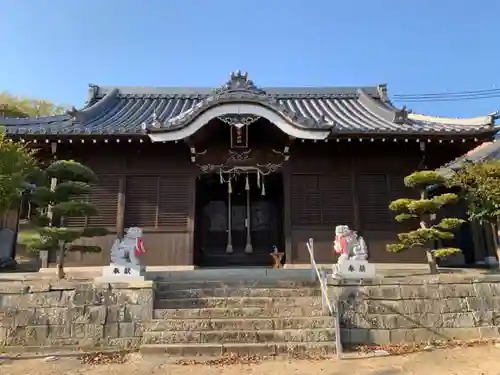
(60, 262)
(431, 261)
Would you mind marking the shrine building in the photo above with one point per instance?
(223, 177)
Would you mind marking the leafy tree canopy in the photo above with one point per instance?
(480, 186)
(16, 106)
(17, 163)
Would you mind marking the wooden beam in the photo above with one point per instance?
(192, 217)
(120, 212)
(354, 196)
(287, 221)
(479, 253)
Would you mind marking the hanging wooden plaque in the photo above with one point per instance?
(239, 136)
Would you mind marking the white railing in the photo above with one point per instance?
(321, 276)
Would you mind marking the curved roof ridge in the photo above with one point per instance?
(20, 121)
(376, 107)
(488, 119)
(94, 107)
(470, 121)
(101, 91)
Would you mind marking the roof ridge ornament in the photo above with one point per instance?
(401, 116)
(73, 112)
(382, 91)
(238, 81)
(155, 123)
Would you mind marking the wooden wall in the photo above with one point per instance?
(336, 184)
(325, 184)
(150, 186)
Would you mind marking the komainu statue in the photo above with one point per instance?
(349, 245)
(126, 251)
(125, 257)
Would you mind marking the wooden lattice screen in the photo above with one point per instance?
(157, 201)
(104, 195)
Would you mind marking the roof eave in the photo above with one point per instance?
(480, 154)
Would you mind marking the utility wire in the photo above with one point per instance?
(444, 99)
(451, 94)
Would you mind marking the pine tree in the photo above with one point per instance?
(62, 196)
(424, 210)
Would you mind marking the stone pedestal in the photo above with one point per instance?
(354, 269)
(118, 272)
(125, 259)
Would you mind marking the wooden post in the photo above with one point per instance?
(287, 221)
(192, 219)
(120, 212)
(44, 254)
(488, 237)
(354, 195)
(479, 253)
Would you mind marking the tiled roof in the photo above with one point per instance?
(350, 110)
(485, 151)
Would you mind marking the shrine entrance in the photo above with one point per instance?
(239, 219)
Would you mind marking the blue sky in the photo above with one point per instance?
(53, 49)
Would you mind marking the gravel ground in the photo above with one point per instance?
(480, 360)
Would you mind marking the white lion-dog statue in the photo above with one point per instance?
(126, 251)
(125, 256)
(349, 245)
(352, 248)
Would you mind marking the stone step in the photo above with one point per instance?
(238, 292)
(244, 337)
(261, 349)
(238, 312)
(182, 303)
(238, 324)
(232, 274)
(166, 285)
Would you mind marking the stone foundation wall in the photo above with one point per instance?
(85, 315)
(76, 314)
(418, 310)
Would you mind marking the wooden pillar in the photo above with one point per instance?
(120, 212)
(479, 251)
(488, 239)
(354, 197)
(287, 220)
(44, 254)
(192, 218)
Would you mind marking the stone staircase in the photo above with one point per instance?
(244, 317)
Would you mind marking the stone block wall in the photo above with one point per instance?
(75, 314)
(415, 310)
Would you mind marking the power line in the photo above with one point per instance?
(444, 99)
(469, 93)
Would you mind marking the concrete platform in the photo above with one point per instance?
(298, 272)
